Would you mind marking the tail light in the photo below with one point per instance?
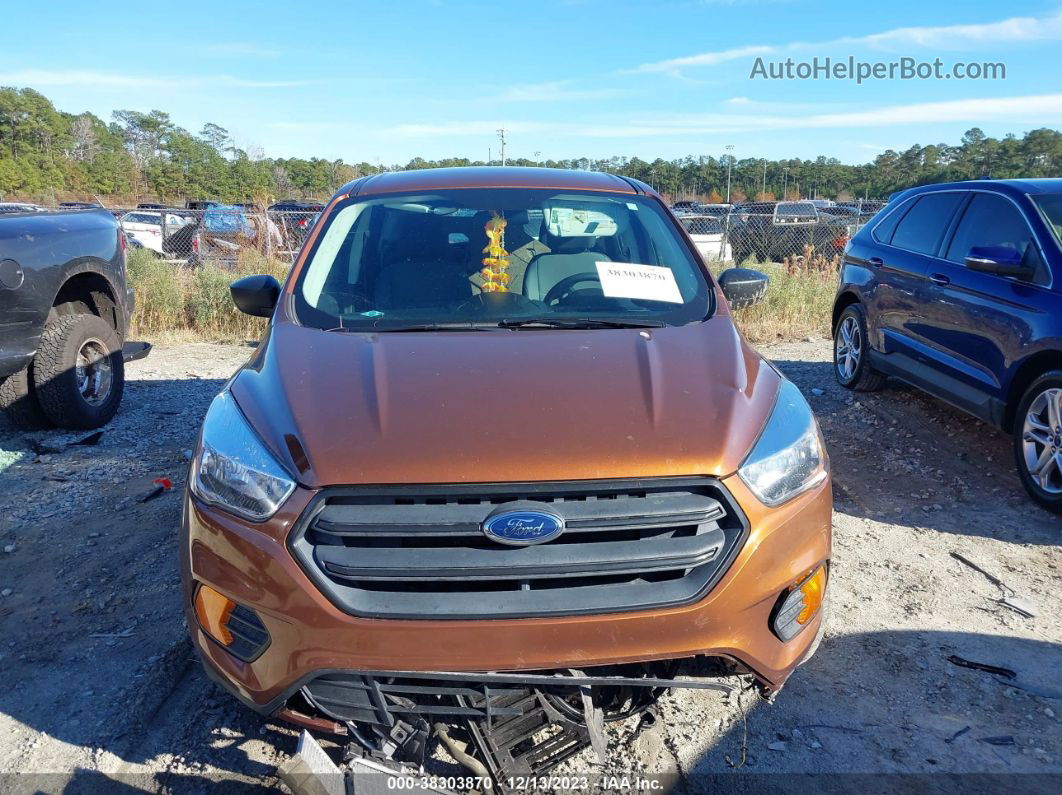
(840, 242)
(122, 242)
(195, 244)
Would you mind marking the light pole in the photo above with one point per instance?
(729, 163)
(785, 183)
(537, 161)
(763, 190)
(501, 137)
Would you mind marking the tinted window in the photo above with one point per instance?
(882, 232)
(990, 221)
(923, 227)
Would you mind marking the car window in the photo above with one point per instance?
(1050, 207)
(923, 227)
(884, 228)
(481, 255)
(990, 220)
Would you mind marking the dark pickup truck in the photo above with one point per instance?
(64, 313)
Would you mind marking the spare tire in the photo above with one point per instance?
(79, 372)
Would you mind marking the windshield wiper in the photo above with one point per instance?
(577, 322)
(435, 327)
(414, 327)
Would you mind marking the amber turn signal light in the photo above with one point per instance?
(213, 611)
(798, 605)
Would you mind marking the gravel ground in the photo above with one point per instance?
(103, 687)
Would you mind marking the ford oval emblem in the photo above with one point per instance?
(523, 528)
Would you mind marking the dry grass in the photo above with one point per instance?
(176, 304)
(179, 304)
(798, 304)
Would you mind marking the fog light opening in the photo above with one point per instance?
(234, 626)
(213, 610)
(799, 605)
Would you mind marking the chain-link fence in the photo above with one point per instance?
(218, 234)
(805, 234)
(797, 234)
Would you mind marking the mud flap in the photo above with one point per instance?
(132, 351)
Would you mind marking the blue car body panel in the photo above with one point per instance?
(968, 337)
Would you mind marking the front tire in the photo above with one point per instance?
(851, 347)
(79, 372)
(1038, 440)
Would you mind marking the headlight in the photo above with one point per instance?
(234, 470)
(788, 458)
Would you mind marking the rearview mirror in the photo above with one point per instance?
(743, 286)
(256, 295)
(1000, 260)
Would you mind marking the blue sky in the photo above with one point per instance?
(389, 81)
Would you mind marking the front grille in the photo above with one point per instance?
(420, 552)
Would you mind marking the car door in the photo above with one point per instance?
(145, 228)
(977, 322)
(909, 239)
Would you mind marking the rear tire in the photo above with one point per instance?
(851, 363)
(79, 372)
(18, 402)
(1038, 440)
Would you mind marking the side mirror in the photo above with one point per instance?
(256, 295)
(743, 286)
(1000, 260)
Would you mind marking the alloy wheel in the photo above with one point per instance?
(1041, 436)
(848, 348)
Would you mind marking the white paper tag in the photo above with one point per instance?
(647, 282)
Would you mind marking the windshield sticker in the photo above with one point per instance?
(647, 282)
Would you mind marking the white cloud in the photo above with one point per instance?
(945, 37)
(1038, 110)
(90, 79)
(676, 65)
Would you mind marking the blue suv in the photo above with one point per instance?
(957, 289)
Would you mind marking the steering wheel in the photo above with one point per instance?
(565, 285)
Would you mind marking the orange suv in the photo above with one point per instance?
(501, 436)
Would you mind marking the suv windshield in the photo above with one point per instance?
(499, 257)
(1051, 208)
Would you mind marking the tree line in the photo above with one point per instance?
(45, 153)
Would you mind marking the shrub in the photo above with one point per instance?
(173, 300)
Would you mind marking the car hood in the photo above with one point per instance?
(502, 406)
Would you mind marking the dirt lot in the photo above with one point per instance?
(101, 685)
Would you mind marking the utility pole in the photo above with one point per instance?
(785, 183)
(501, 137)
(729, 163)
(764, 189)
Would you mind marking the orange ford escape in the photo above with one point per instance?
(501, 430)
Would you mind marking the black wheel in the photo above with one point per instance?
(18, 401)
(1038, 440)
(850, 346)
(79, 372)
